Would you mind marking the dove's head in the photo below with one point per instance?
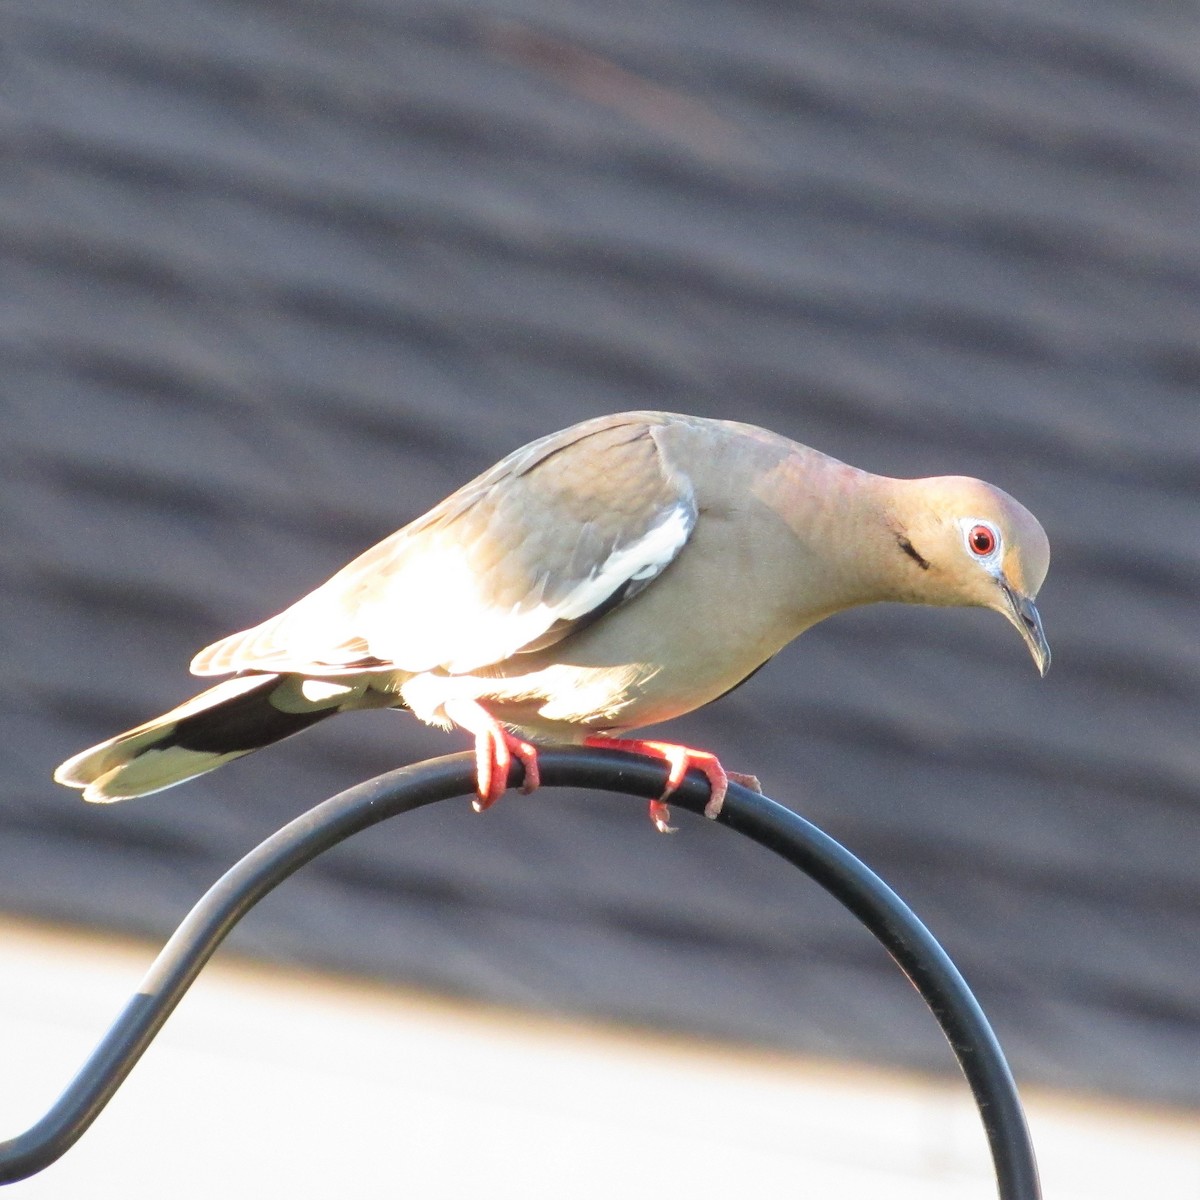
(969, 543)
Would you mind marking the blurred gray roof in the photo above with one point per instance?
(279, 275)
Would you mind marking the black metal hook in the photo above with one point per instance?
(771, 825)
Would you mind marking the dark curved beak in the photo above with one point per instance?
(1023, 613)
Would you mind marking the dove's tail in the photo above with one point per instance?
(235, 717)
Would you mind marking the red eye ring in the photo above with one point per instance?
(982, 540)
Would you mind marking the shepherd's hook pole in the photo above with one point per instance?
(771, 825)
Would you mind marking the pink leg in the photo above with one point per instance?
(681, 759)
(494, 750)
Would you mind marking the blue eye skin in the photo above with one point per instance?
(982, 540)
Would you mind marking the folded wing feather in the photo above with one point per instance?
(546, 540)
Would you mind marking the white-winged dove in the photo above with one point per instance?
(612, 576)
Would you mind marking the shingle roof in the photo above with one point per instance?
(279, 275)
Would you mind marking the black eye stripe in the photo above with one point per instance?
(912, 552)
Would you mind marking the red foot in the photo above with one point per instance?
(681, 759)
(494, 751)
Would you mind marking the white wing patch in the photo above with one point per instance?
(643, 559)
(461, 630)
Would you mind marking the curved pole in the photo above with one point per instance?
(773, 826)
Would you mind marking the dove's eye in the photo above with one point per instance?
(982, 540)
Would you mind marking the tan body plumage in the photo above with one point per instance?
(609, 577)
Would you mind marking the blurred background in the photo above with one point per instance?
(279, 274)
